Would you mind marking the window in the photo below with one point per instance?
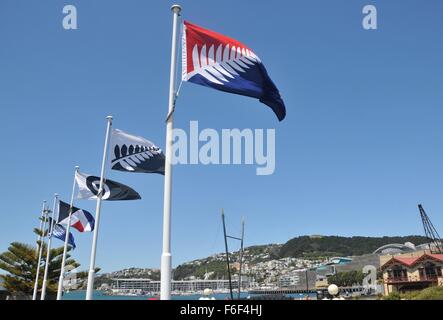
(399, 272)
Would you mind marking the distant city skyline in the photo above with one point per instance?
(360, 148)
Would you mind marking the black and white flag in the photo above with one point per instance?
(135, 154)
(89, 188)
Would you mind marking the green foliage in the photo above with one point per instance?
(312, 247)
(20, 263)
(272, 249)
(393, 296)
(431, 293)
(346, 279)
(199, 270)
(409, 295)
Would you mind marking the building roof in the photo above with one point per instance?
(411, 261)
(438, 256)
(406, 261)
(395, 248)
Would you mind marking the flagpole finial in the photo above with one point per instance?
(56, 195)
(109, 118)
(176, 8)
(77, 168)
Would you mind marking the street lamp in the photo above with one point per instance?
(333, 290)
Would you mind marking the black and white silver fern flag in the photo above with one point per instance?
(135, 154)
(89, 187)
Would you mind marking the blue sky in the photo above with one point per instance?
(361, 145)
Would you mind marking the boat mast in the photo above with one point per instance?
(241, 256)
(227, 255)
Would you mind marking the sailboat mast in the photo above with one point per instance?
(241, 256)
(227, 255)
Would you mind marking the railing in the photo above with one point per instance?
(396, 279)
(429, 277)
(414, 278)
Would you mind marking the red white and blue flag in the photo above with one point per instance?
(81, 219)
(213, 60)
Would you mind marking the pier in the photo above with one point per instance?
(281, 291)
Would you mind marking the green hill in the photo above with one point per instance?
(327, 246)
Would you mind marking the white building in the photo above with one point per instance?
(147, 285)
(289, 280)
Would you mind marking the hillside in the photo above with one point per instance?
(269, 261)
(327, 246)
(214, 267)
(300, 249)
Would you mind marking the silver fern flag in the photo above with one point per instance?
(216, 61)
(89, 189)
(135, 154)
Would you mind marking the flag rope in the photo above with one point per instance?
(178, 52)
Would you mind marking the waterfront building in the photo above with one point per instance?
(339, 260)
(303, 279)
(321, 282)
(138, 286)
(289, 280)
(358, 263)
(395, 248)
(409, 272)
(398, 248)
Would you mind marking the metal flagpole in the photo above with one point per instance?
(39, 236)
(166, 260)
(91, 274)
(65, 248)
(227, 255)
(40, 248)
(241, 256)
(48, 252)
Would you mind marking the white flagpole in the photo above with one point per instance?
(166, 260)
(91, 274)
(48, 252)
(40, 249)
(65, 248)
(39, 237)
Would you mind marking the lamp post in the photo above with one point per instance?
(333, 290)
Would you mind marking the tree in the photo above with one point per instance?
(346, 279)
(20, 263)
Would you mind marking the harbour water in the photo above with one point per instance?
(98, 295)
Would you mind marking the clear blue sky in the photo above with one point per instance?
(361, 145)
